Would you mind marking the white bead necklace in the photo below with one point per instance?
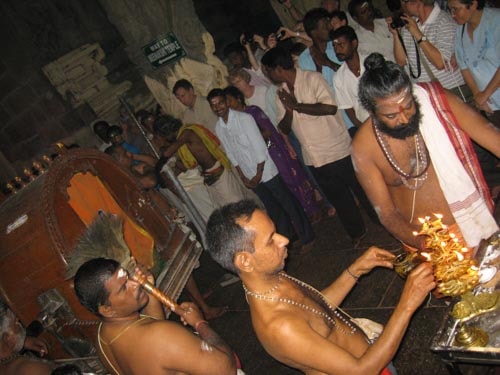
(312, 292)
(421, 154)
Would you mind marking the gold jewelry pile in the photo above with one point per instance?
(455, 275)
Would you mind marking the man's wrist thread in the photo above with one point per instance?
(352, 275)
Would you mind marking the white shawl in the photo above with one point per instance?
(469, 209)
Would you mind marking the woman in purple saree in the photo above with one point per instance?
(290, 169)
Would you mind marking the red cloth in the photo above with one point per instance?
(237, 360)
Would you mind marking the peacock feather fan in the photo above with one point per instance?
(102, 239)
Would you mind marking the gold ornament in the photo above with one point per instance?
(454, 273)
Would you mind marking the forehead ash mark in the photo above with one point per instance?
(402, 96)
(397, 100)
(121, 273)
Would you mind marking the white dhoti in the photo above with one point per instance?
(227, 189)
(192, 182)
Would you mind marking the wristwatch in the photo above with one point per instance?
(422, 39)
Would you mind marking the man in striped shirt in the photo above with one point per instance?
(426, 43)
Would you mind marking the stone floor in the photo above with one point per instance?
(374, 297)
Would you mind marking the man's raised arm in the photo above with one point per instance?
(371, 258)
(316, 352)
(419, 284)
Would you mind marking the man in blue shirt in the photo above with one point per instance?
(321, 56)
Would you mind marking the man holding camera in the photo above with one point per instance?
(424, 42)
(241, 56)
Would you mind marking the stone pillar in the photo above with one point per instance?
(284, 14)
(142, 21)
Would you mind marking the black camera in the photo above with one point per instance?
(398, 22)
(247, 38)
(280, 35)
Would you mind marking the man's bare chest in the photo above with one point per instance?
(403, 162)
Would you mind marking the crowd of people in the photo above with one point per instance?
(344, 112)
(299, 90)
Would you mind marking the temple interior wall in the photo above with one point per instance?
(34, 114)
(35, 33)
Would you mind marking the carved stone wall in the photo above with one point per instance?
(284, 14)
(80, 77)
(201, 66)
(33, 115)
(35, 33)
(225, 20)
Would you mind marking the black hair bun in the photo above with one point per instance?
(375, 61)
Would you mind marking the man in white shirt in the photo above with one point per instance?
(99, 128)
(197, 111)
(305, 104)
(373, 33)
(345, 43)
(247, 151)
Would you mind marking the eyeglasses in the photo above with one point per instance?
(455, 10)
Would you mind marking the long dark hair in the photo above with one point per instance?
(381, 79)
